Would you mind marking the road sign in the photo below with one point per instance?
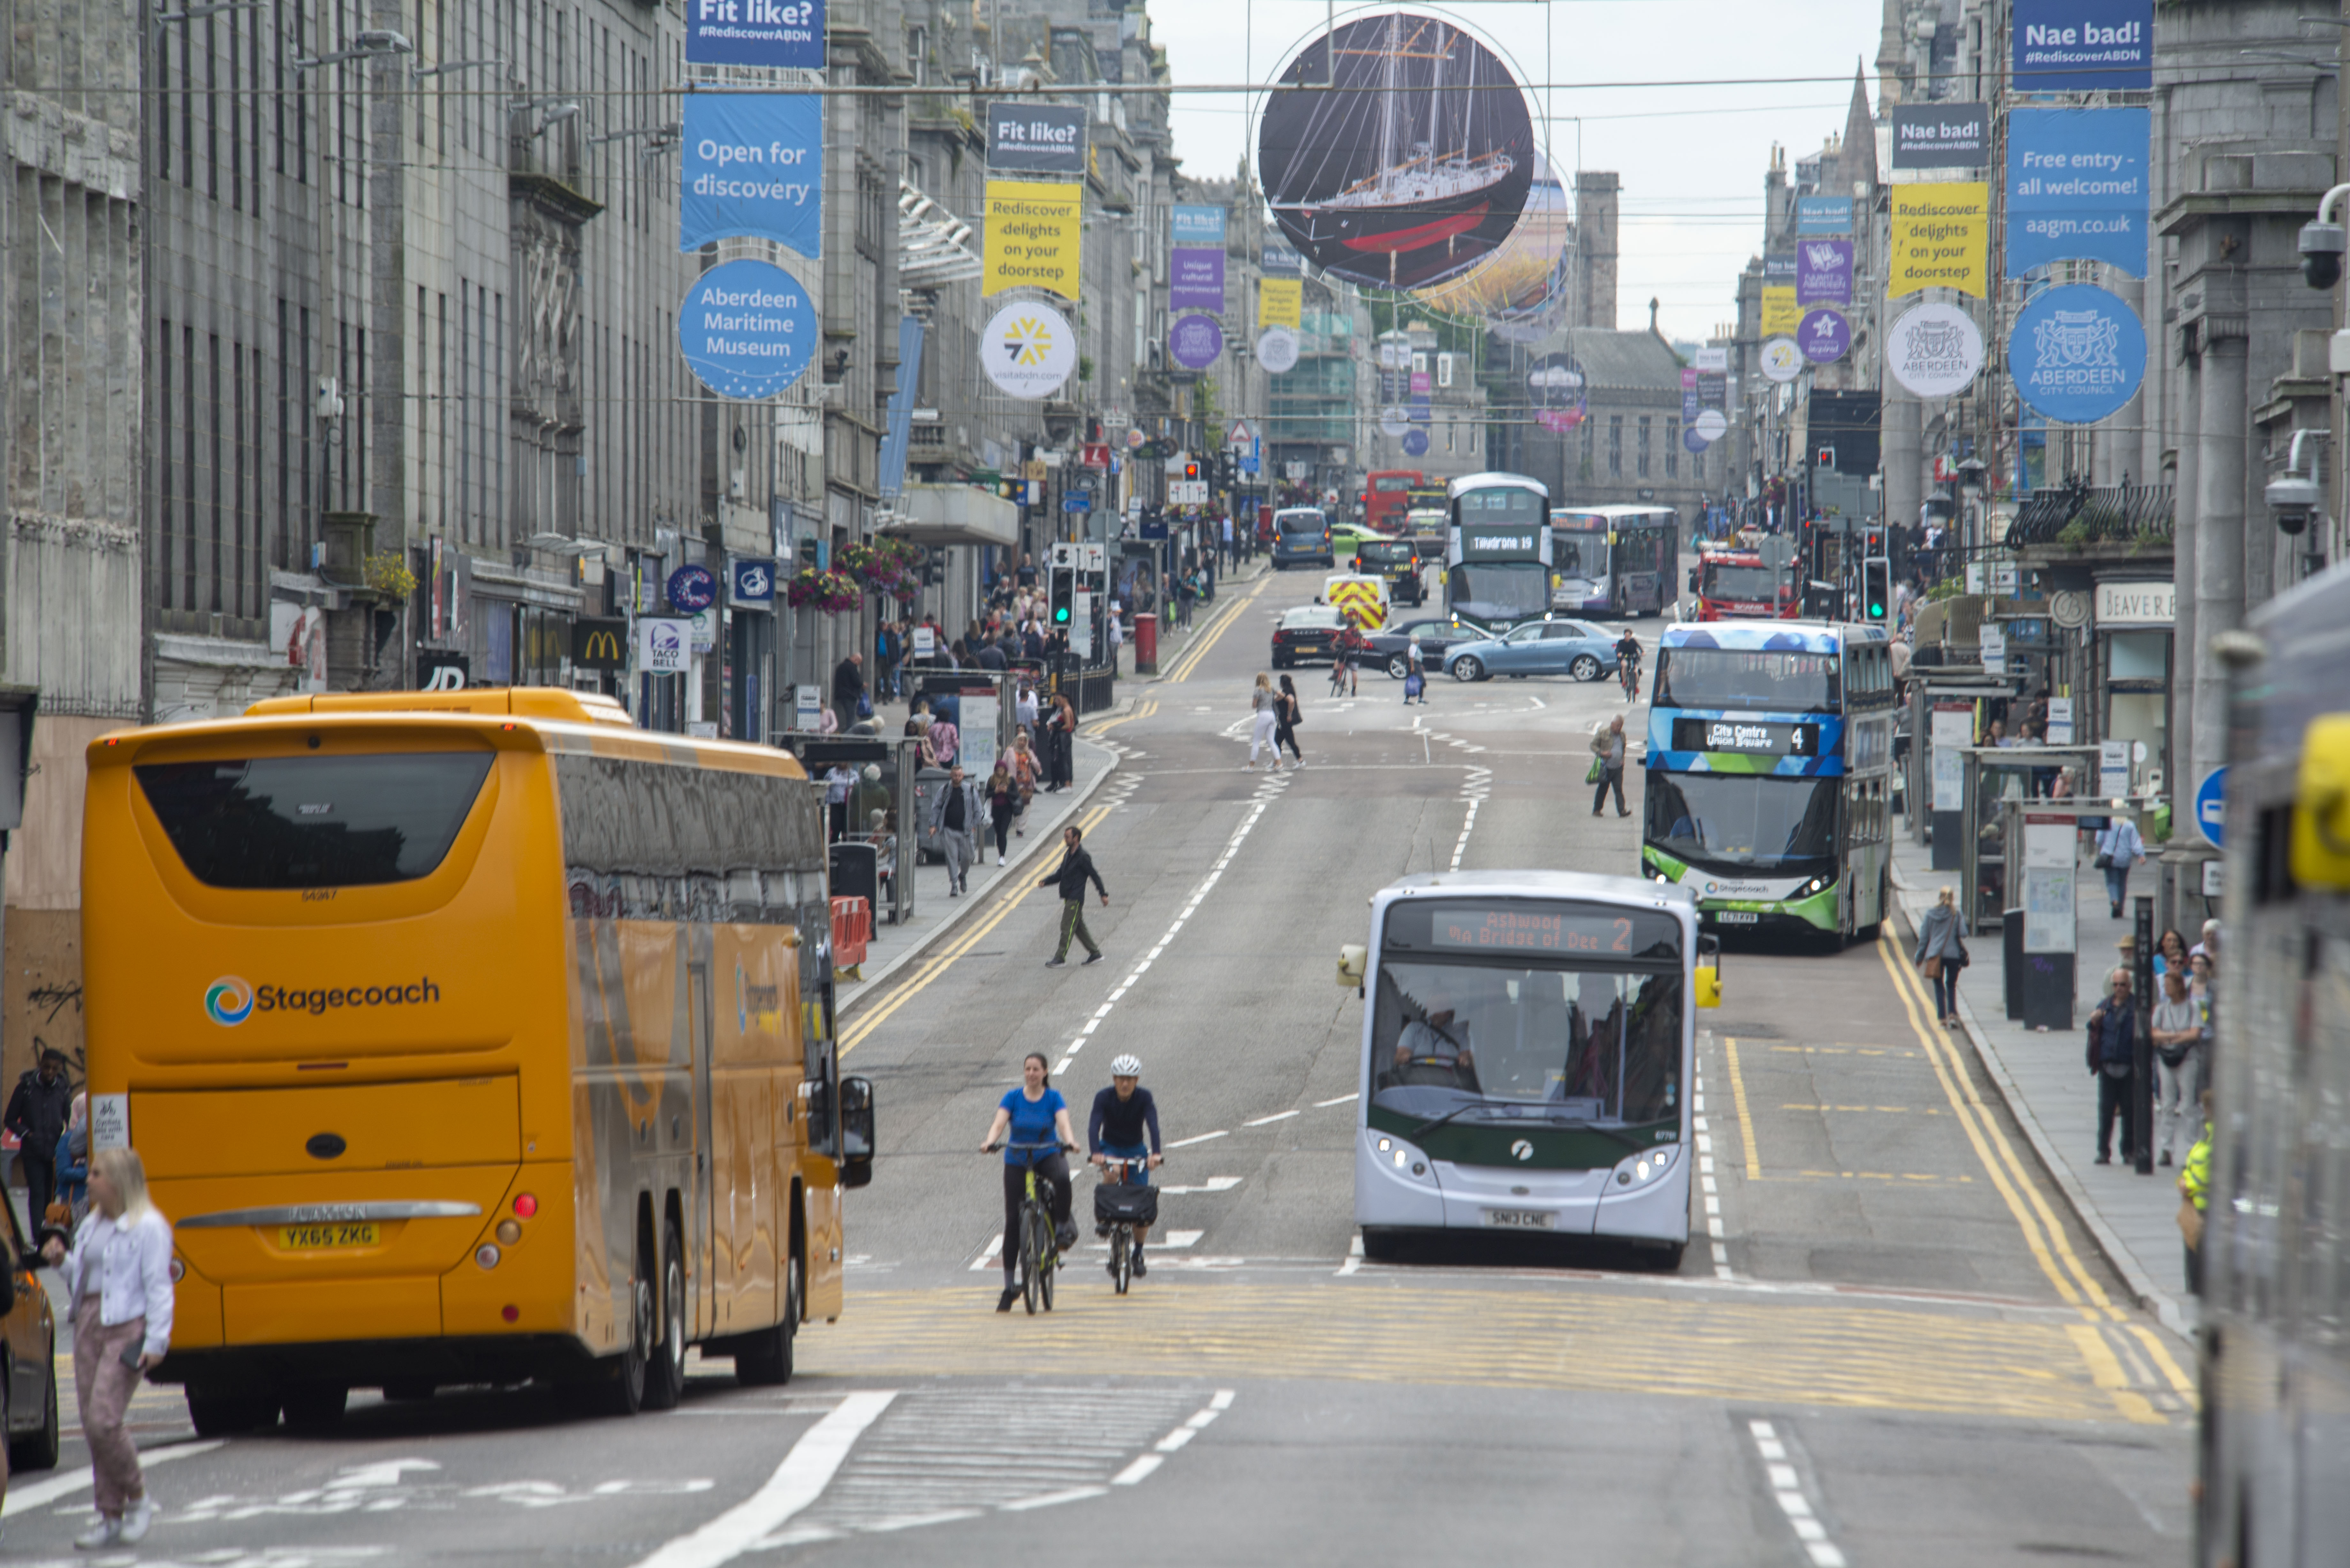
(1240, 434)
(2212, 804)
(1077, 500)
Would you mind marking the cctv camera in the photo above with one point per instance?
(2321, 245)
(2292, 496)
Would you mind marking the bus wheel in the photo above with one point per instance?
(771, 1363)
(313, 1406)
(665, 1375)
(625, 1394)
(216, 1413)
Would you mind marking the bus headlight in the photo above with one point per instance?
(1401, 1155)
(1639, 1169)
(1811, 887)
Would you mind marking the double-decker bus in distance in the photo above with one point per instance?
(1769, 773)
(468, 1037)
(2275, 1487)
(1735, 585)
(1387, 496)
(1497, 552)
(1615, 560)
(1527, 1051)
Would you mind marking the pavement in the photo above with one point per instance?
(2044, 1079)
(1890, 1341)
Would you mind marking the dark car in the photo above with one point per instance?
(1392, 642)
(28, 1341)
(1399, 562)
(1309, 631)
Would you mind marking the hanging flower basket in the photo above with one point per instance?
(833, 592)
(884, 566)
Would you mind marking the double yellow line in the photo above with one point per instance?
(2044, 1233)
(1188, 659)
(935, 965)
(1142, 710)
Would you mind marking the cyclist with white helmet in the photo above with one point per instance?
(1122, 1114)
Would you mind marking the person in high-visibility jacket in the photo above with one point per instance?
(2194, 1185)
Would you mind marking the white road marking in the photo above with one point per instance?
(1787, 1491)
(1276, 1116)
(798, 1481)
(988, 1254)
(1175, 1439)
(1187, 1142)
(1213, 1184)
(1136, 1472)
(1343, 1099)
(1354, 1258)
(1074, 1494)
(24, 1498)
(1176, 1239)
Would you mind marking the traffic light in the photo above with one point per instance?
(1065, 590)
(1875, 587)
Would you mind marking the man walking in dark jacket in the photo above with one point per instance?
(2113, 1053)
(37, 1113)
(847, 686)
(1076, 868)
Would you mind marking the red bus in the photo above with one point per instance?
(1387, 496)
(1734, 584)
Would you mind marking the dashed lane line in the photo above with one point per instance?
(24, 1498)
(1787, 1491)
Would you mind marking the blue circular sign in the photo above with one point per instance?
(2077, 354)
(1415, 442)
(692, 588)
(2212, 805)
(747, 329)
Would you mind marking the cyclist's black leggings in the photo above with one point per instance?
(1052, 1169)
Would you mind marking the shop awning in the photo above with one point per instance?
(953, 515)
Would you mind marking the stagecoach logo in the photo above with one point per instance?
(1522, 1150)
(228, 1001)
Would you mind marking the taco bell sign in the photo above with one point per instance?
(2082, 45)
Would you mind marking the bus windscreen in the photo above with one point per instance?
(1742, 581)
(1742, 822)
(1501, 503)
(1514, 591)
(1782, 680)
(314, 821)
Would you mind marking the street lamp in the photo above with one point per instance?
(374, 44)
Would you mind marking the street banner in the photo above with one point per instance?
(752, 166)
(1195, 341)
(2077, 187)
(1780, 313)
(1941, 238)
(1196, 278)
(1823, 336)
(1689, 397)
(1037, 138)
(1028, 350)
(1824, 271)
(1822, 214)
(1032, 236)
(746, 329)
(2077, 353)
(1557, 385)
(1934, 350)
(1200, 225)
(1276, 350)
(2082, 45)
(774, 34)
(1398, 150)
(1782, 360)
(1714, 361)
(1279, 302)
(1277, 260)
(1941, 136)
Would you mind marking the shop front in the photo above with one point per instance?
(2131, 648)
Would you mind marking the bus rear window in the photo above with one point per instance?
(314, 821)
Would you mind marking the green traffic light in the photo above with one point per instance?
(1060, 612)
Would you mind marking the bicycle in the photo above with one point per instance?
(1121, 1207)
(1039, 1253)
(1628, 671)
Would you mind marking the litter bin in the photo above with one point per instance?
(1146, 645)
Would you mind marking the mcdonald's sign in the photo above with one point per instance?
(601, 645)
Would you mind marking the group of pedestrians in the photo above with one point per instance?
(1274, 714)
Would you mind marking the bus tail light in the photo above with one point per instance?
(511, 1313)
(508, 1233)
(525, 1206)
(486, 1255)
(179, 1270)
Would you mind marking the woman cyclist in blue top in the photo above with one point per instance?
(1122, 1114)
(1033, 1113)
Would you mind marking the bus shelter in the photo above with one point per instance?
(1990, 777)
(1945, 711)
(866, 863)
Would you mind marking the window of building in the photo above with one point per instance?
(1644, 432)
(1444, 369)
(1615, 446)
(1673, 448)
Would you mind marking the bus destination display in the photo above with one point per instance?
(1524, 929)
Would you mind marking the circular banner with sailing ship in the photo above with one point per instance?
(1414, 169)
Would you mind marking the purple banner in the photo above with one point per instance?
(1823, 336)
(1196, 340)
(1197, 281)
(1824, 271)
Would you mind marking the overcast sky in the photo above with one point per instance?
(1692, 158)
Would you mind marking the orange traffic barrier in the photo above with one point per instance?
(852, 928)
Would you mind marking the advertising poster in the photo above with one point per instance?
(746, 329)
(1934, 350)
(2077, 187)
(1941, 238)
(1824, 271)
(1196, 278)
(2077, 353)
(1822, 214)
(1782, 360)
(1780, 313)
(774, 34)
(1037, 138)
(1032, 236)
(1028, 350)
(1823, 336)
(1276, 350)
(1197, 225)
(1941, 136)
(2082, 45)
(1277, 260)
(1281, 302)
(1195, 341)
(751, 165)
(1350, 175)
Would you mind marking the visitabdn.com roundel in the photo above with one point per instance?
(1028, 350)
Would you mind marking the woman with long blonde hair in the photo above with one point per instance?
(118, 1276)
(1265, 709)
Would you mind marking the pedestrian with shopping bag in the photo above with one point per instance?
(1607, 766)
(1942, 953)
(2119, 847)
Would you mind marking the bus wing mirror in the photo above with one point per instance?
(1354, 959)
(855, 1131)
(1708, 977)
